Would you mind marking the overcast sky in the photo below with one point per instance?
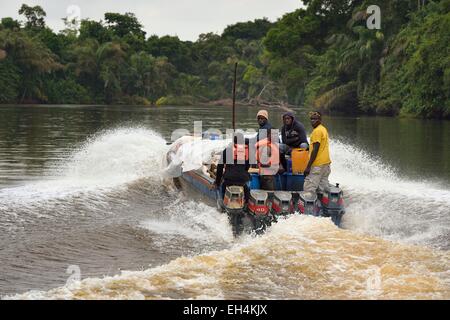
(186, 19)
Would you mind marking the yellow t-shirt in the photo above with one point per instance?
(320, 134)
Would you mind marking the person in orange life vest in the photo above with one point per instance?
(268, 158)
(235, 161)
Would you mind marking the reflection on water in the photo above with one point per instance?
(82, 186)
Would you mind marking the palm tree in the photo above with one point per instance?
(33, 58)
(96, 64)
(354, 60)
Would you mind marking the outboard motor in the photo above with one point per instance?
(282, 203)
(234, 199)
(258, 209)
(234, 205)
(258, 204)
(308, 203)
(333, 203)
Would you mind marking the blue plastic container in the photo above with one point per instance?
(283, 181)
(278, 182)
(289, 165)
(294, 182)
(254, 181)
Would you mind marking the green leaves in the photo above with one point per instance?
(34, 60)
(322, 55)
(416, 74)
(34, 15)
(124, 24)
(66, 91)
(10, 79)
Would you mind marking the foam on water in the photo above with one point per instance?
(298, 258)
(358, 170)
(191, 220)
(106, 161)
(382, 203)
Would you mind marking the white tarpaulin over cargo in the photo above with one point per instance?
(190, 153)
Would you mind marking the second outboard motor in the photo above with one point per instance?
(258, 204)
(333, 203)
(308, 203)
(258, 209)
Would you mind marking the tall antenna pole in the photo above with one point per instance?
(234, 96)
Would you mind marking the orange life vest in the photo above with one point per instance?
(269, 161)
(240, 152)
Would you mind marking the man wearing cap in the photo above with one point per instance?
(264, 124)
(268, 159)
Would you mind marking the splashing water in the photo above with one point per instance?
(191, 220)
(383, 204)
(298, 258)
(106, 161)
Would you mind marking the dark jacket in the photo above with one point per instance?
(295, 134)
(237, 173)
(266, 126)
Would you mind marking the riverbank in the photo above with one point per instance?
(190, 101)
(180, 101)
(229, 102)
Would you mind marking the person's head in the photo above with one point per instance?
(239, 138)
(316, 118)
(262, 117)
(288, 119)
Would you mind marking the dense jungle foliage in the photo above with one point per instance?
(321, 56)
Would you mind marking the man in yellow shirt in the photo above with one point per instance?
(318, 168)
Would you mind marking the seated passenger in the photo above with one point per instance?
(263, 122)
(268, 159)
(293, 134)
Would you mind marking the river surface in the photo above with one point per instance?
(86, 214)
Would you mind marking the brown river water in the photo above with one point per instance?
(86, 214)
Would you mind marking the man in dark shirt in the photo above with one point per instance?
(235, 160)
(293, 133)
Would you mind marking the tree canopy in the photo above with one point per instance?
(321, 56)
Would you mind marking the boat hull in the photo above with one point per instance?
(198, 187)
